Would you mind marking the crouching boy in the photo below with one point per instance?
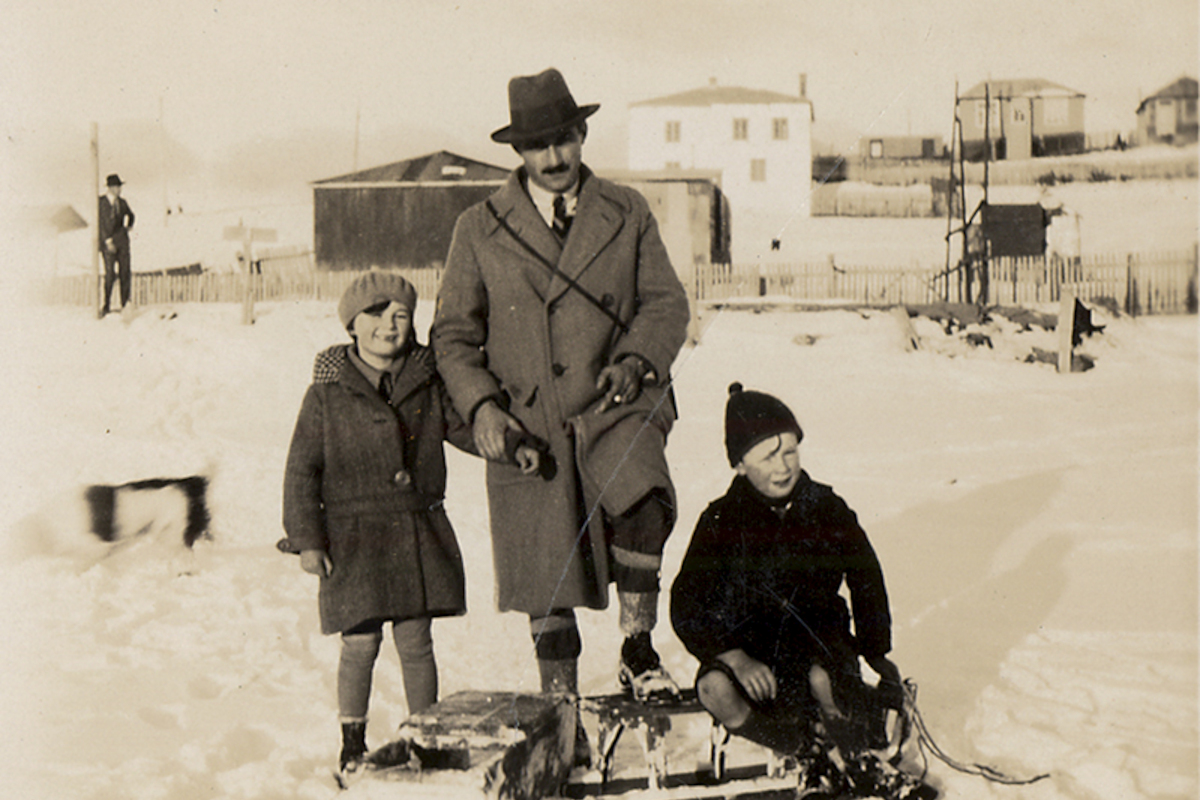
(757, 602)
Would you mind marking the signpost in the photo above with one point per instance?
(247, 236)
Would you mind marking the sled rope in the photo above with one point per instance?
(925, 742)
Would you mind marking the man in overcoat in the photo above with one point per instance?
(560, 314)
(115, 219)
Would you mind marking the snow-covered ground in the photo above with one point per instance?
(1037, 531)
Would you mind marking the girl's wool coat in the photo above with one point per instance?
(365, 480)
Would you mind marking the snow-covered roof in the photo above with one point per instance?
(721, 96)
(1018, 87)
(435, 167)
(1183, 89)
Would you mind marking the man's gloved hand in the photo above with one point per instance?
(621, 382)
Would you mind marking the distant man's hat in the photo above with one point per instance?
(373, 288)
(539, 106)
(751, 417)
(113, 180)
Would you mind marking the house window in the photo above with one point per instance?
(876, 148)
(779, 129)
(758, 169)
(1054, 110)
(1191, 108)
(1017, 112)
(673, 166)
(983, 118)
(673, 131)
(741, 129)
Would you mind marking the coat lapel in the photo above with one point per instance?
(513, 205)
(597, 222)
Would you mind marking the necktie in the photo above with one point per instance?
(562, 222)
(385, 386)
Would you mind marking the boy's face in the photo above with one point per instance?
(381, 332)
(773, 465)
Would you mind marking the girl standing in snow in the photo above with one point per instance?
(362, 497)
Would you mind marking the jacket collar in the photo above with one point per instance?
(334, 366)
(599, 217)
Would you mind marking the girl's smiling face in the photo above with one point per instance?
(381, 333)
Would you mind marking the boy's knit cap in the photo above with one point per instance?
(751, 417)
(371, 289)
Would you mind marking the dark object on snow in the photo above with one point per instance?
(1079, 362)
(1027, 318)
(1082, 324)
(951, 315)
(979, 339)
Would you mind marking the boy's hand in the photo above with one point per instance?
(316, 562)
(756, 677)
(891, 687)
(528, 459)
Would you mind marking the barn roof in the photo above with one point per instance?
(1183, 89)
(720, 95)
(1019, 87)
(439, 167)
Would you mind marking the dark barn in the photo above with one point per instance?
(397, 215)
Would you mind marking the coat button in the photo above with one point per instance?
(608, 301)
(558, 370)
(402, 478)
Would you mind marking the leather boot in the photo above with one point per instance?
(354, 745)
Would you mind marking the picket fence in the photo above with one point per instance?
(1139, 283)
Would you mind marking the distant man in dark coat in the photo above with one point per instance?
(116, 218)
(560, 314)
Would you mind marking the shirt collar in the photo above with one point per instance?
(373, 375)
(543, 200)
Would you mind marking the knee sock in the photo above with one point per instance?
(354, 674)
(414, 644)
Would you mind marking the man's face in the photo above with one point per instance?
(381, 332)
(773, 465)
(115, 190)
(553, 163)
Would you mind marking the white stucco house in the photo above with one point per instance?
(760, 141)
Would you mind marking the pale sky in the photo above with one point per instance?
(228, 71)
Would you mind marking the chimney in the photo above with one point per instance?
(804, 85)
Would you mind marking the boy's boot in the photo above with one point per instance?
(641, 672)
(560, 676)
(354, 745)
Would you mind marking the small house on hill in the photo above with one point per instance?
(397, 215)
(1027, 118)
(1169, 115)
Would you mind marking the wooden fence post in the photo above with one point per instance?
(1066, 330)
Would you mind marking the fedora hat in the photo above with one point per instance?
(113, 180)
(540, 105)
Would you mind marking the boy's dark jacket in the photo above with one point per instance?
(769, 586)
(365, 483)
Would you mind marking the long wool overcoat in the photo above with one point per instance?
(506, 328)
(365, 480)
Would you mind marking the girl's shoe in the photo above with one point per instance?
(354, 746)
